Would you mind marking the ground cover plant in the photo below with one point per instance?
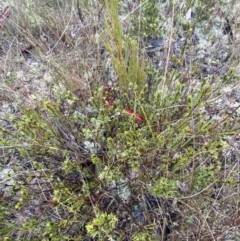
(119, 120)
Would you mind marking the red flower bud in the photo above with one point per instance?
(137, 117)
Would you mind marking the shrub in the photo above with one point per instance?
(137, 159)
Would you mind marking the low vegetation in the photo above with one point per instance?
(119, 121)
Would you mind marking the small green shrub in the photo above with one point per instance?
(102, 226)
(94, 166)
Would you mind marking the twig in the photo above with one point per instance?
(227, 117)
(169, 45)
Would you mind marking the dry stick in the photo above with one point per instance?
(4, 15)
(227, 117)
(139, 6)
(169, 45)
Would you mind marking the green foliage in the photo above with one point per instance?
(149, 20)
(165, 187)
(91, 161)
(205, 176)
(127, 63)
(102, 226)
(144, 236)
